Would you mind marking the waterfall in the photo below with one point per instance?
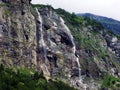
(73, 48)
(79, 67)
(75, 57)
(41, 41)
(42, 45)
(68, 31)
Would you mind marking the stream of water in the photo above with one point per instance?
(73, 48)
(41, 41)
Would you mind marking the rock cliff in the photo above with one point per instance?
(17, 33)
(36, 39)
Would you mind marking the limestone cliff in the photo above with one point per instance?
(36, 38)
(17, 34)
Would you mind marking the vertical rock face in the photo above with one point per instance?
(17, 34)
(41, 41)
(56, 48)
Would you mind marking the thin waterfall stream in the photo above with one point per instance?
(74, 48)
(42, 45)
(41, 42)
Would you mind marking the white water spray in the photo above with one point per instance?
(43, 46)
(74, 48)
(41, 42)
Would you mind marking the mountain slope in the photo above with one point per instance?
(58, 44)
(108, 23)
(96, 47)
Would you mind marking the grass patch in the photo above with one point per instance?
(111, 82)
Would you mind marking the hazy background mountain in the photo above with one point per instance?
(108, 23)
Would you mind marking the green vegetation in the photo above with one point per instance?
(111, 82)
(118, 37)
(7, 13)
(7, 4)
(95, 25)
(27, 79)
(41, 6)
(71, 19)
(91, 42)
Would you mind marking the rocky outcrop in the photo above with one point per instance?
(113, 44)
(58, 52)
(17, 34)
(40, 40)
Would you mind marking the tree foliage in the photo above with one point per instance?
(71, 19)
(27, 79)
